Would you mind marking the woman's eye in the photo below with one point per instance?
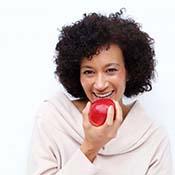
(111, 70)
(88, 72)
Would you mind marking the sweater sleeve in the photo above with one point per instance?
(43, 159)
(78, 164)
(161, 164)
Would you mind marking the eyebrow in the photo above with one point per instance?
(112, 64)
(107, 65)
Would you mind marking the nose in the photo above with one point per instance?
(100, 83)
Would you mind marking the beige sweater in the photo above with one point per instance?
(140, 148)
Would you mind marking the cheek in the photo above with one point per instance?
(119, 82)
(122, 77)
(85, 83)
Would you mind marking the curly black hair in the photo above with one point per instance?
(85, 37)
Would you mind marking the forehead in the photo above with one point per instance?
(112, 54)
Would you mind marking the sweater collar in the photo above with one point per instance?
(134, 130)
(132, 133)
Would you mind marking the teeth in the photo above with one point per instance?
(103, 95)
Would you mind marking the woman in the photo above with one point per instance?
(100, 57)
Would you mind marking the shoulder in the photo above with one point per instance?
(157, 133)
(55, 111)
(53, 105)
(140, 123)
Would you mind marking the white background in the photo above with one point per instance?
(28, 34)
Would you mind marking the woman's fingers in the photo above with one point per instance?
(85, 113)
(112, 119)
(110, 116)
(119, 114)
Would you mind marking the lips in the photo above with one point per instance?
(104, 95)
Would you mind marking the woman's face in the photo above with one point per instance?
(104, 76)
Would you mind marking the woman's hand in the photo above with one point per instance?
(97, 137)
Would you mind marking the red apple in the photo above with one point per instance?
(98, 111)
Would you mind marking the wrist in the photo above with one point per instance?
(89, 151)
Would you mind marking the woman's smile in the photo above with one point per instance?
(104, 76)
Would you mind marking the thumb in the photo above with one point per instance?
(85, 112)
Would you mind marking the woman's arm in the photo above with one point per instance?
(161, 163)
(45, 157)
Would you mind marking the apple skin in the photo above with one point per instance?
(98, 111)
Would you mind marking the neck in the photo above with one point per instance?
(126, 108)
